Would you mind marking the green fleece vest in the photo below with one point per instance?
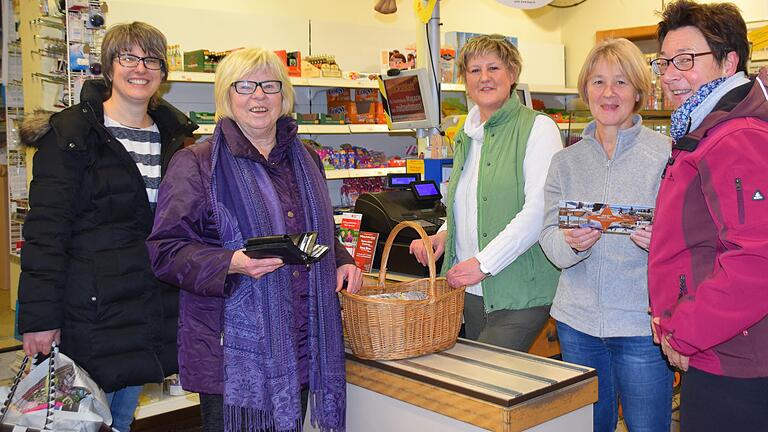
(531, 279)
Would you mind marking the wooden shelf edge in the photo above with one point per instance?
(631, 33)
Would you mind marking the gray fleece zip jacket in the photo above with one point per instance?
(603, 291)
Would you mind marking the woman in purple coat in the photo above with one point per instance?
(257, 338)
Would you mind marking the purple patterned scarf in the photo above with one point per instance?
(681, 117)
(261, 383)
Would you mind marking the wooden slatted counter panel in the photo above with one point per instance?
(483, 386)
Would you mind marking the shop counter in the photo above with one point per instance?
(470, 387)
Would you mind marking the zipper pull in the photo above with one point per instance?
(670, 162)
(683, 287)
(221, 339)
(738, 184)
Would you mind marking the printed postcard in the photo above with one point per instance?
(608, 218)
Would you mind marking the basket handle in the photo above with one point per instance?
(430, 253)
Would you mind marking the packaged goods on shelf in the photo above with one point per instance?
(456, 40)
(362, 108)
(352, 188)
(327, 65)
(402, 59)
(292, 61)
(447, 65)
(201, 60)
(175, 58)
(202, 118)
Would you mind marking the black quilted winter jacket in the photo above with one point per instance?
(85, 266)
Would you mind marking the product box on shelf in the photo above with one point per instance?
(308, 70)
(447, 65)
(332, 119)
(200, 61)
(338, 94)
(366, 95)
(456, 40)
(346, 109)
(402, 59)
(202, 118)
(307, 118)
(292, 61)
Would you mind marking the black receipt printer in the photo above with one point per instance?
(407, 198)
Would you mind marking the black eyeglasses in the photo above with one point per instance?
(131, 61)
(682, 62)
(248, 87)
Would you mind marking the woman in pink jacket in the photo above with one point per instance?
(709, 251)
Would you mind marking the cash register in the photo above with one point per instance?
(407, 198)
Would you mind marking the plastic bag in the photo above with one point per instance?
(57, 395)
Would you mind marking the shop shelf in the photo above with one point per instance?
(206, 77)
(200, 77)
(656, 113)
(334, 82)
(453, 87)
(207, 129)
(362, 172)
(321, 129)
(167, 404)
(368, 128)
(535, 88)
(554, 90)
(572, 126)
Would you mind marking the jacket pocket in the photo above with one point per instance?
(740, 199)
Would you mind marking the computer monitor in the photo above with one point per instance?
(408, 100)
(524, 93)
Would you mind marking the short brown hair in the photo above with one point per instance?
(721, 24)
(123, 37)
(628, 57)
(491, 44)
(242, 62)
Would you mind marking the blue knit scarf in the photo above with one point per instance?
(680, 121)
(261, 383)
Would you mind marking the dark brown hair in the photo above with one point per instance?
(121, 38)
(721, 24)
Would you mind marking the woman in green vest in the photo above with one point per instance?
(496, 203)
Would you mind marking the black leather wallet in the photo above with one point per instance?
(292, 249)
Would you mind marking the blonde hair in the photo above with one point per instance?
(628, 57)
(241, 63)
(491, 44)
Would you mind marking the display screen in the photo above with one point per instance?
(402, 180)
(426, 190)
(404, 98)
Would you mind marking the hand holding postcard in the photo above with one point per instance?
(608, 218)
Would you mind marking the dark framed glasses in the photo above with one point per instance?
(682, 62)
(131, 61)
(248, 87)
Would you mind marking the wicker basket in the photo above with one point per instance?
(389, 329)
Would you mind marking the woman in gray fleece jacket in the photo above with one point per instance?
(601, 304)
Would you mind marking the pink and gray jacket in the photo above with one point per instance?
(708, 261)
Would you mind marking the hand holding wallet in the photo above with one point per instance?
(292, 249)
